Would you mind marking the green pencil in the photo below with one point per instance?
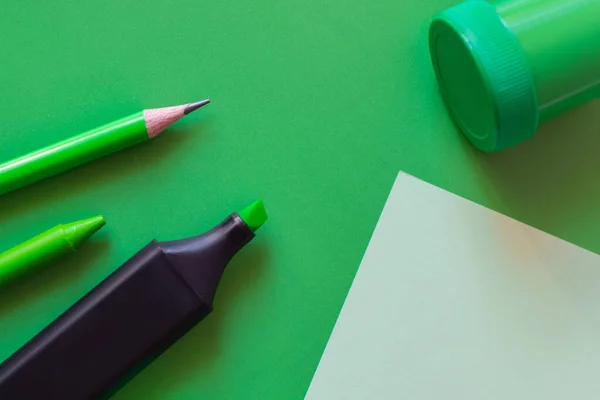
(90, 145)
(46, 247)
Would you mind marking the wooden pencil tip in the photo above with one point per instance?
(194, 106)
(159, 119)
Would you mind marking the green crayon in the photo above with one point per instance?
(46, 247)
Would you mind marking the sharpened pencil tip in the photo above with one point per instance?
(194, 106)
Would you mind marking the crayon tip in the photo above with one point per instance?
(254, 215)
(78, 232)
(194, 106)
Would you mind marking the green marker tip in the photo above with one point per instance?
(254, 215)
(78, 232)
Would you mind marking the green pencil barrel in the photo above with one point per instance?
(72, 152)
(561, 42)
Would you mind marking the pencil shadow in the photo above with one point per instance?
(554, 175)
(52, 277)
(197, 350)
(100, 172)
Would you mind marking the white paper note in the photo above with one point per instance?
(455, 301)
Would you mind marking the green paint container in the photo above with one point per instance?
(507, 66)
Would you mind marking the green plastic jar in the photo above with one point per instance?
(507, 66)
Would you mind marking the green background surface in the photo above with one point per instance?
(316, 106)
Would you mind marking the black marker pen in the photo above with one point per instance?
(128, 319)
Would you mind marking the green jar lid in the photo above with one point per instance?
(483, 76)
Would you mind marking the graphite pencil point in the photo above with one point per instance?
(159, 119)
(194, 106)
